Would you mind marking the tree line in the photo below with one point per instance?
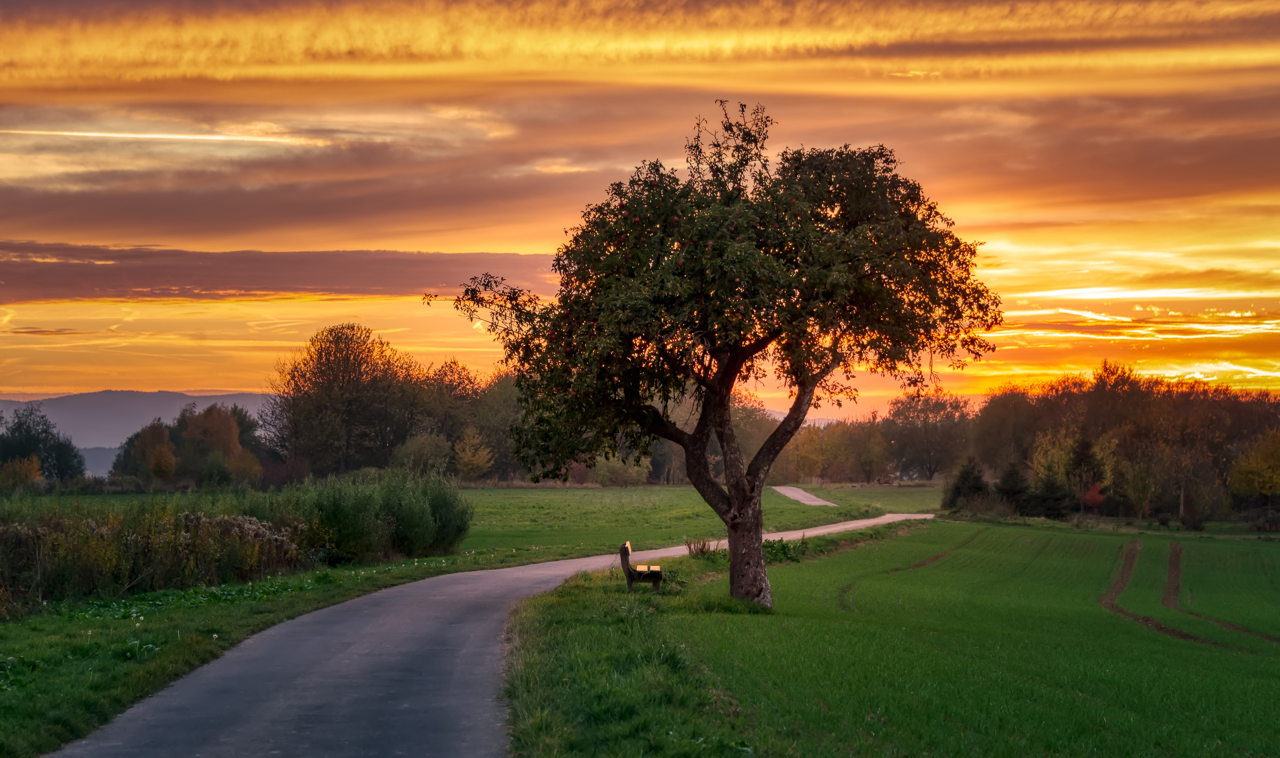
(347, 401)
(1113, 442)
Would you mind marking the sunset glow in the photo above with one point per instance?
(179, 180)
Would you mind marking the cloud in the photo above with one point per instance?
(29, 331)
(40, 272)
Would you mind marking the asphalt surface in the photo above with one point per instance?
(799, 495)
(412, 670)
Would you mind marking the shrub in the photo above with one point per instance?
(58, 547)
(987, 504)
(615, 472)
(425, 454)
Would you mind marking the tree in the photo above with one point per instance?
(1257, 472)
(676, 290)
(30, 433)
(967, 482)
(1014, 487)
(927, 432)
(345, 401)
(470, 455)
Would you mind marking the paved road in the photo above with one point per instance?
(795, 493)
(412, 670)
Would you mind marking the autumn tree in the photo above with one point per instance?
(345, 401)
(472, 458)
(684, 288)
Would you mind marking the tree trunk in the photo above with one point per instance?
(748, 579)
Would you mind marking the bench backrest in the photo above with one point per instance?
(624, 555)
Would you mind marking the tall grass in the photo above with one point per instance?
(60, 547)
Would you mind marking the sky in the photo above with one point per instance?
(190, 189)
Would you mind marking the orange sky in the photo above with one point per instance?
(189, 189)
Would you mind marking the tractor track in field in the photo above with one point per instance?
(935, 558)
(845, 602)
(1108, 602)
(1173, 588)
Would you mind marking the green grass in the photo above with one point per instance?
(575, 522)
(923, 499)
(76, 665)
(999, 648)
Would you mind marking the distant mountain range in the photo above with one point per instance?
(106, 419)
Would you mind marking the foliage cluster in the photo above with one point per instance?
(56, 547)
(33, 452)
(349, 400)
(1121, 443)
(1114, 443)
(213, 447)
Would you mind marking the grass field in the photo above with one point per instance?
(923, 499)
(594, 521)
(71, 668)
(999, 647)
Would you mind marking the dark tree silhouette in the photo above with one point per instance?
(682, 289)
(29, 432)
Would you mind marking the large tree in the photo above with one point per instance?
(927, 432)
(683, 288)
(346, 401)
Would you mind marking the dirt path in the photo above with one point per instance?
(1173, 588)
(1108, 601)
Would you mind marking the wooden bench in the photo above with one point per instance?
(650, 574)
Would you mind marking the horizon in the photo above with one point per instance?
(191, 191)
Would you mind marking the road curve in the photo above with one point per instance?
(411, 670)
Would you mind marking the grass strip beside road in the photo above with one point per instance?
(998, 648)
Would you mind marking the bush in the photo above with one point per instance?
(60, 547)
(425, 454)
(62, 556)
(987, 504)
(615, 472)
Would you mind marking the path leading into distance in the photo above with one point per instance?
(412, 670)
(800, 496)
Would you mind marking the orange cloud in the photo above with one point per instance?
(1119, 160)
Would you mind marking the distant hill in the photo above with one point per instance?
(98, 460)
(106, 419)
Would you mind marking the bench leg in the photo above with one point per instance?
(630, 585)
(657, 585)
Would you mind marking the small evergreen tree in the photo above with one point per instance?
(1014, 487)
(967, 482)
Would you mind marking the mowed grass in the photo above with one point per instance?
(589, 521)
(1000, 647)
(923, 499)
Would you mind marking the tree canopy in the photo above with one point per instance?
(678, 289)
(29, 433)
